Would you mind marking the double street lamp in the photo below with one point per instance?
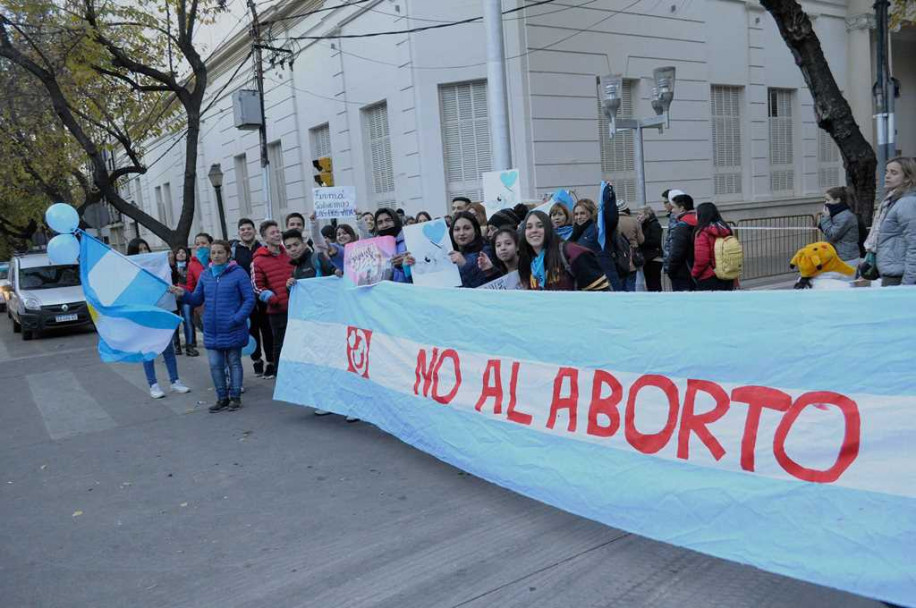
(216, 179)
(662, 96)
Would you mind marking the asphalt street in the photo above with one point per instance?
(109, 499)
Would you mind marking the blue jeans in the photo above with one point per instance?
(170, 364)
(629, 282)
(190, 337)
(220, 359)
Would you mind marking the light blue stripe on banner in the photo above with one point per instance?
(857, 541)
(849, 341)
(143, 289)
(151, 317)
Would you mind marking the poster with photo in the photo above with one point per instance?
(368, 261)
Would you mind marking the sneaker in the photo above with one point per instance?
(219, 405)
(179, 387)
(352, 419)
(177, 350)
(242, 390)
(155, 392)
(234, 403)
(258, 368)
(191, 351)
(322, 412)
(270, 372)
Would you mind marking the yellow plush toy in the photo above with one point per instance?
(819, 257)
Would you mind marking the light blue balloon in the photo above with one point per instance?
(249, 348)
(63, 249)
(62, 218)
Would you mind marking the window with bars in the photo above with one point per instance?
(782, 153)
(242, 187)
(277, 176)
(378, 140)
(830, 171)
(617, 155)
(320, 138)
(728, 173)
(465, 137)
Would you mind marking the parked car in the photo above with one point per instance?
(45, 296)
(5, 286)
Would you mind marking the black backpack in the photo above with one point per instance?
(622, 254)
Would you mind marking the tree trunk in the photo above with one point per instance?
(830, 107)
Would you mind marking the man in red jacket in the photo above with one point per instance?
(270, 269)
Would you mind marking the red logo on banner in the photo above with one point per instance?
(358, 350)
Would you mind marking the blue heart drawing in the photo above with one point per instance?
(434, 231)
(508, 178)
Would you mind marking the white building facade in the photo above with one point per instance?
(404, 116)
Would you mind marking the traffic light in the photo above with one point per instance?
(325, 170)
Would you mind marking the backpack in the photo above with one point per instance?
(729, 258)
(622, 253)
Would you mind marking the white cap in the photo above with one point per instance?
(673, 193)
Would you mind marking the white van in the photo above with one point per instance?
(44, 296)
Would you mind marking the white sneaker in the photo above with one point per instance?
(155, 392)
(179, 387)
(322, 412)
(352, 419)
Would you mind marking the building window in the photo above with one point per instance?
(321, 141)
(726, 142)
(465, 137)
(167, 201)
(830, 171)
(242, 187)
(617, 155)
(375, 133)
(782, 153)
(277, 176)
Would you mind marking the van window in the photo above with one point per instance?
(48, 277)
(4, 271)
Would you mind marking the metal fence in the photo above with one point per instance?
(769, 243)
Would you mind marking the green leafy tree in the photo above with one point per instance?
(117, 74)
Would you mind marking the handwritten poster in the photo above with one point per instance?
(338, 202)
(430, 244)
(368, 261)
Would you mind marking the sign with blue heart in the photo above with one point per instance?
(429, 243)
(501, 189)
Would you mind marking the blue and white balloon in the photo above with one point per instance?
(249, 348)
(62, 218)
(63, 249)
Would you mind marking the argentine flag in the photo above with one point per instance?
(122, 299)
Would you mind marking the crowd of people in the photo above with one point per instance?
(591, 246)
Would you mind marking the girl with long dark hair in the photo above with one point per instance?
(547, 262)
(505, 249)
(710, 226)
(469, 244)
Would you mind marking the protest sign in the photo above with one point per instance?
(506, 282)
(501, 189)
(368, 261)
(429, 243)
(338, 202)
(753, 445)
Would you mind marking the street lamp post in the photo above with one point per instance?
(216, 178)
(662, 96)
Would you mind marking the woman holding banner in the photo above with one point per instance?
(227, 291)
(468, 243)
(546, 262)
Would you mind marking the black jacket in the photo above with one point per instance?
(308, 266)
(652, 247)
(679, 259)
(243, 255)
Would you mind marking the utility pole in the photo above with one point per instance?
(497, 98)
(883, 92)
(262, 130)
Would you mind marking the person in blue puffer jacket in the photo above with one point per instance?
(226, 290)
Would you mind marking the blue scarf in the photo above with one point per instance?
(203, 255)
(538, 271)
(218, 269)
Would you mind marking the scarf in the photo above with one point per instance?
(538, 272)
(564, 232)
(218, 269)
(579, 230)
(181, 265)
(871, 242)
(203, 255)
(836, 208)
